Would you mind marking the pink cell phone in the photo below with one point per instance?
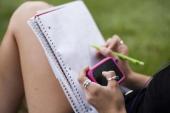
(107, 64)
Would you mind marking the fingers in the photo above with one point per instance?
(105, 51)
(91, 90)
(82, 75)
(89, 86)
(118, 45)
(95, 92)
(110, 45)
(110, 76)
(113, 44)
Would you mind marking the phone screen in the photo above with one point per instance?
(109, 65)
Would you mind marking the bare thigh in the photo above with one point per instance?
(42, 90)
(11, 83)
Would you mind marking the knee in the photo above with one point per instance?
(26, 11)
(29, 8)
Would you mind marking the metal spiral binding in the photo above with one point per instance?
(50, 52)
(70, 78)
(65, 71)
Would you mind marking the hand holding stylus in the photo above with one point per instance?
(122, 56)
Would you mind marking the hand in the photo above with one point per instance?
(116, 44)
(106, 99)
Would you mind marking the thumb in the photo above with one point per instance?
(110, 76)
(105, 51)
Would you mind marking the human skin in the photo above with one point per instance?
(133, 79)
(106, 99)
(109, 99)
(24, 68)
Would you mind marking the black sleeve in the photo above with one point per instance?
(157, 95)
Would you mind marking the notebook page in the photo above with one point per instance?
(72, 31)
(55, 67)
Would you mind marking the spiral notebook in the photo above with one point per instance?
(66, 33)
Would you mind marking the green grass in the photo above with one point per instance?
(144, 26)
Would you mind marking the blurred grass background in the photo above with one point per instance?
(144, 25)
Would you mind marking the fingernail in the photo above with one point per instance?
(116, 60)
(115, 35)
(104, 72)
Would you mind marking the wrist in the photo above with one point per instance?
(122, 110)
(130, 77)
(129, 73)
(118, 108)
(136, 80)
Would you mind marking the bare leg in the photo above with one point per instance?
(11, 87)
(43, 92)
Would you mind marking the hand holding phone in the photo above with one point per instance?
(107, 64)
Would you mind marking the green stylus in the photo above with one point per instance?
(122, 56)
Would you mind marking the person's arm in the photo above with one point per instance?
(109, 99)
(106, 99)
(136, 80)
(133, 79)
